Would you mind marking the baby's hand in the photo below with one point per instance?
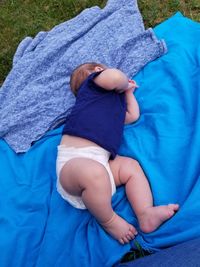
(132, 85)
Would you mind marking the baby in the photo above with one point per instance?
(88, 167)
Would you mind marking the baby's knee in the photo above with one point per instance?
(131, 164)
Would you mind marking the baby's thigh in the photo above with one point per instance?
(80, 173)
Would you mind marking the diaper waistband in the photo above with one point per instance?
(90, 151)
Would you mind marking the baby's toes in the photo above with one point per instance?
(126, 240)
(132, 230)
(121, 241)
(130, 236)
(174, 207)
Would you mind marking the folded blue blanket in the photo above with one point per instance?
(38, 228)
(36, 97)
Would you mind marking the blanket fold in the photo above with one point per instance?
(36, 92)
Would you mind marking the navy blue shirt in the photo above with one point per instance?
(98, 115)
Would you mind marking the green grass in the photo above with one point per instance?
(21, 18)
(155, 11)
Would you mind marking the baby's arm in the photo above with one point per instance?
(112, 79)
(133, 111)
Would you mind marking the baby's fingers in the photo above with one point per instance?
(133, 83)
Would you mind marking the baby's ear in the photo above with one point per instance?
(98, 68)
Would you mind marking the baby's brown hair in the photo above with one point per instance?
(81, 73)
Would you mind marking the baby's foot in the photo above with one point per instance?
(153, 217)
(121, 230)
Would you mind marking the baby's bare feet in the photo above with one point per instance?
(153, 217)
(119, 229)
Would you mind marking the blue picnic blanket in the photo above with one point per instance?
(166, 138)
(35, 96)
(38, 228)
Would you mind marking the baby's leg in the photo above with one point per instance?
(128, 171)
(89, 179)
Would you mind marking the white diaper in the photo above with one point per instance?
(66, 153)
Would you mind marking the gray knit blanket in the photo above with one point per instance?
(36, 97)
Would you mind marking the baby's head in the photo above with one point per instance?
(82, 72)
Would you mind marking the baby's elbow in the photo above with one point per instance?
(135, 117)
(130, 118)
